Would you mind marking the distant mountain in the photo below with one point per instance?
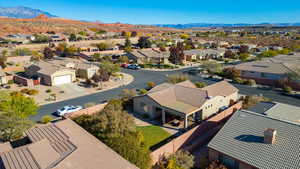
(194, 25)
(22, 12)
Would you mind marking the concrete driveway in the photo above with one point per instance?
(72, 90)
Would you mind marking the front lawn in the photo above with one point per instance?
(153, 135)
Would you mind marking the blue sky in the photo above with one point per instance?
(169, 11)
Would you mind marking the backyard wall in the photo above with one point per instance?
(87, 111)
(197, 135)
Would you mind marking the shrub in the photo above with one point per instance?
(48, 91)
(24, 91)
(287, 89)
(145, 116)
(251, 82)
(90, 104)
(200, 84)
(46, 119)
(143, 91)
(32, 92)
(238, 80)
(177, 78)
(10, 82)
(151, 85)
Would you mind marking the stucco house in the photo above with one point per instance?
(3, 79)
(195, 54)
(254, 140)
(185, 101)
(268, 72)
(51, 74)
(86, 70)
(149, 56)
(60, 145)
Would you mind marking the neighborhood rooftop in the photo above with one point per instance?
(278, 110)
(185, 97)
(242, 138)
(264, 66)
(61, 145)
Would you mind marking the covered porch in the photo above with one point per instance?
(175, 119)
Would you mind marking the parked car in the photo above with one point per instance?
(124, 65)
(134, 67)
(68, 109)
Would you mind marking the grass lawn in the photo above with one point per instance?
(153, 135)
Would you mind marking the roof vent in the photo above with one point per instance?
(270, 136)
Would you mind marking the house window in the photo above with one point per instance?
(144, 107)
(263, 75)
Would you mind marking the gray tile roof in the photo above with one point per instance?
(278, 110)
(264, 67)
(242, 138)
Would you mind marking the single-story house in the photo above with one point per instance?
(149, 56)
(86, 70)
(3, 79)
(185, 100)
(61, 145)
(253, 140)
(266, 72)
(50, 73)
(195, 54)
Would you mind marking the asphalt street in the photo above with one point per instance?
(141, 77)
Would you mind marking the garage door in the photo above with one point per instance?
(58, 80)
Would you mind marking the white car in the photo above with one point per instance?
(68, 109)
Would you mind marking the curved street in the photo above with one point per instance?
(141, 77)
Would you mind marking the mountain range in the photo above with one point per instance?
(22, 12)
(195, 25)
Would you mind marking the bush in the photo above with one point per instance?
(145, 116)
(10, 82)
(200, 84)
(151, 85)
(24, 91)
(143, 91)
(32, 92)
(46, 119)
(90, 104)
(287, 89)
(177, 78)
(48, 91)
(239, 80)
(250, 101)
(251, 82)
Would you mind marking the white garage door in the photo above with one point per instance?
(58, 80)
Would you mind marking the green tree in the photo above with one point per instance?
(21, 52)
(144, 42)
(102, 46)
(19, 105)
(12, 126)
(72, 37)
(14, 112)
(110, 67)
(3, 58)
(244, 56)
(212, 66)
(269, 53)
(200, 84)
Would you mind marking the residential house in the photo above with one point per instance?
(149, 56)
(3, 79)
(61, 145)
(261, 141)
(266, 72)
(50, 73)
(86, 70)
(185, 101)
(195, 54)
(58, 38)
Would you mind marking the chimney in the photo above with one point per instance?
(270, 136)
